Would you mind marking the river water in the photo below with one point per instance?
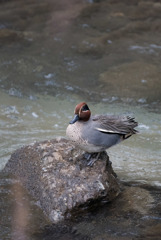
(56, 54)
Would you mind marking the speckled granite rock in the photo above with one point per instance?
(57, 175)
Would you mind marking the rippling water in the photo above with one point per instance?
(55, 54)
(24, 121)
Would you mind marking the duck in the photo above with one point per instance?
(95, 134)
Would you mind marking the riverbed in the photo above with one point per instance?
(56, 54)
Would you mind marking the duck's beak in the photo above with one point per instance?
(76, 118)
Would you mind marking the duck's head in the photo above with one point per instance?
(82, 112)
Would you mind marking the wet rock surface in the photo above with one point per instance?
(134, 214)
(57, 176)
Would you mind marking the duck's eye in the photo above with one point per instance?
(84, 108)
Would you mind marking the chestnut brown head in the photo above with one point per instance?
(82, 112)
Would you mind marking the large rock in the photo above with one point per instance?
(55, 172)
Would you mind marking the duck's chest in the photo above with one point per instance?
(79, 134)
(74, 132)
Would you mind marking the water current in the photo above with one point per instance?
(56, 54)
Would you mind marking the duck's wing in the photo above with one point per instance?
(123, 125)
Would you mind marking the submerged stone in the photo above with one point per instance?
(132, 75)
(56, 174)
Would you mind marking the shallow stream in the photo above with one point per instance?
(56, 54)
